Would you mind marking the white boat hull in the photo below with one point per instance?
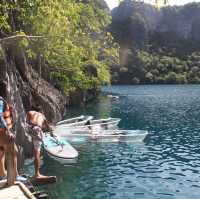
(103, 124)
(107, 136)
(93, 125)
(76, 121)
(59, 149)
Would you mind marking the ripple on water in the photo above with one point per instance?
(166, 166)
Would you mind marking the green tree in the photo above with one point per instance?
(72, 38)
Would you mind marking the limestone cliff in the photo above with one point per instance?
(156, 45)
(180, 20)
(24, 88)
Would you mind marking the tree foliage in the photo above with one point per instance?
(74, 45)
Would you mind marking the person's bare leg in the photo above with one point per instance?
(3, 171)
(8, 145)
(3, 141)
(37, 164)
(15, 159)
(11, 148)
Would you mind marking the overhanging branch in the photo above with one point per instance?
(5, 39)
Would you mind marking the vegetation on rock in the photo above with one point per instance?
(157, 46)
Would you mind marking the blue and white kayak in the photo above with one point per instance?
(59, 148)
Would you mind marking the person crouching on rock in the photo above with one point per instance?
(37, 122)
(6, 138)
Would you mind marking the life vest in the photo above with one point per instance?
(7, 114)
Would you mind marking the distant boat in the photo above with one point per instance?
(81, 120)
(107, 136)
(113, 96)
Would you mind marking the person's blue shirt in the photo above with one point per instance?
(2, 121)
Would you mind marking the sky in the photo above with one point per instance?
(114, 3)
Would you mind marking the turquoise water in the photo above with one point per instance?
(166, 166)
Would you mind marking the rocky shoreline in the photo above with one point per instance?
(27, 87)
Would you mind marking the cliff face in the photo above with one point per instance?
(26, 89)
(156, 46)
(26, 86)
(182, 21)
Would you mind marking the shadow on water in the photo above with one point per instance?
(166, 165)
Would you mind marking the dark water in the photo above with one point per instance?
(167, 165)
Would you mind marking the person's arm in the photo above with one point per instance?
(9, 132)
(48, 127)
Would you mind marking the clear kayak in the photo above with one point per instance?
(101, 124)
(93, 125)
(59, 149)
(107, 135)
(76, 121)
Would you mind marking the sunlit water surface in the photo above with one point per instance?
(167, 165)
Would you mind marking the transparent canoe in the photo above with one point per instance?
(106, 135)
(76, 121)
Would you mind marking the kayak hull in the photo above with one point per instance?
(59, 149)
(107, 136)
(93, 125)
(103, 124)
(81, 120)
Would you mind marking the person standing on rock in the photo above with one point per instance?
(6, 137)
(37, 122)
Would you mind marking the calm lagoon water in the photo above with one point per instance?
(166, 166)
